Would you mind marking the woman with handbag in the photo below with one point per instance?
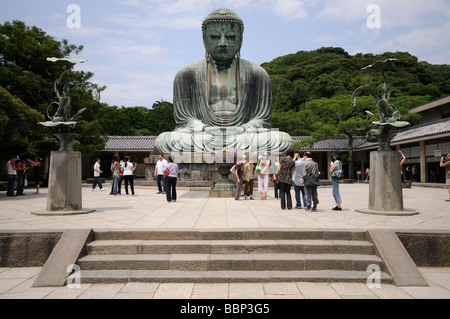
(336, 175)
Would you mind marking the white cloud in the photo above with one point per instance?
(141, 91)
(397, 13)
(290, 9)
(422, 41)
(85, 32)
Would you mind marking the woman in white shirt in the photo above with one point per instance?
(263, 176)
(336, 165)
(128, 170)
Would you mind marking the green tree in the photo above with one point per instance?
(26, 74)
(16, 123)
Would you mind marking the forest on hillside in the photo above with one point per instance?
(312, 89)
(311, 94)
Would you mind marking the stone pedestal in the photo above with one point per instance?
(64, 185)
(385, 190)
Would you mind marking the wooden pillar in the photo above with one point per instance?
(423, 163)
(328, 165)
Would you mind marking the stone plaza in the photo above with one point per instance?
(194, 210)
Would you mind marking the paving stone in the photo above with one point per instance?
(174, 291)
(137, 287)
(281, 289)
(246, 291)
(317, 290)
(101, 291)
(390, 292)
(67, 293)
(352, 289)
(427, 292)
(8, 284)
(219, 290)
(134, 295)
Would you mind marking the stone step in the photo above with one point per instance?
(173, 276)
(111, 247)
(220, 262)
(230, 234)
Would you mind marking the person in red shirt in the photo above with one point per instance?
(37, 172)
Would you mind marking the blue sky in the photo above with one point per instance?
(135, 47)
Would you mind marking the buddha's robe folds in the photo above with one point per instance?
(243, 126)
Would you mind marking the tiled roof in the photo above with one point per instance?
(332, 144)
(417, 132)
(424, 130)
(130, 143)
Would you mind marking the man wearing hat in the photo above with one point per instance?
(12, 175)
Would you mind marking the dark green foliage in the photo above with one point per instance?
(138, 121)
(328, 76)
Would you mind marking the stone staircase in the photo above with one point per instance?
(209, 256)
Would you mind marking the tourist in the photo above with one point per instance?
(310, 180)
(97, 173)
(21, 176)
(367, 173)
(446, 163)
(284, 172)
(402, 161)
(336, 165)
(116, 168)
(238, 172)
(274, 177)
(248, 177)
(38, 171)
(128, 169)
(297, 179)
(415, 173)
(263, 170)
(12, 175)
(171, 193)
(161, 166)
(408, 172)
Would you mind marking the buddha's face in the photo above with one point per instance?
(223, 40)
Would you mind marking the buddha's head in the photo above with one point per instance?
(223, 34)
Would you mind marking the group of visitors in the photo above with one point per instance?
(18, 171)
(299, 170)
(122, 171)
(166, 173)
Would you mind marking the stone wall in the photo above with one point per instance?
(427, 249)
(27, 249)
